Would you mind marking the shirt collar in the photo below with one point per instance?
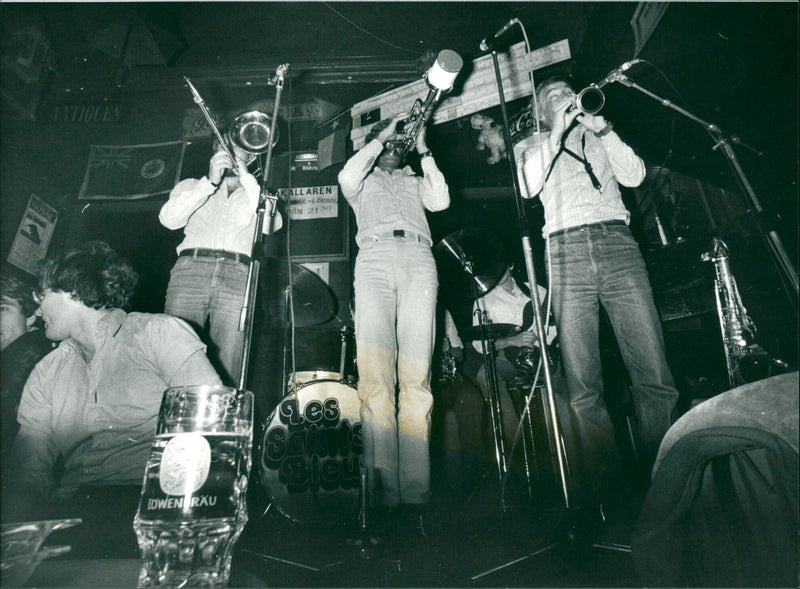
(109, 326)
(405, 171)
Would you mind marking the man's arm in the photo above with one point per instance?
(629, 169)
(27, 478)
(179, 354)
(352, 175)
(187, 196)
(536, 162)
(435, 193)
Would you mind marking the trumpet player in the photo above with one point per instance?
(395, 311)
(207, 283)
(576, 169)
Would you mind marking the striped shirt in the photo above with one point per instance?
(212, 218)
(568, 196)
(384, 202)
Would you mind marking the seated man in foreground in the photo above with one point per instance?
(91, 405)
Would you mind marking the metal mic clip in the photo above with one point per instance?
(279, 74)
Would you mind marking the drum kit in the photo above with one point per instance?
(310, 458)
(473, 261)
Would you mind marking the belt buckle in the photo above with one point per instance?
(399, 233)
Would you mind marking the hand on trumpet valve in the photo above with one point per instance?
(390, 132)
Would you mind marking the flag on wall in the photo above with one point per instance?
(129, 172)
(332, 146)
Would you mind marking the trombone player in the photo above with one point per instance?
(576, 170)
(208, 281)
(395, 311)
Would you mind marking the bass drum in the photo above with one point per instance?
(312, 453)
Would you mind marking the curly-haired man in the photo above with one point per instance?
(92, 404)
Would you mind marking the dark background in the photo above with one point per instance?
(732, 64)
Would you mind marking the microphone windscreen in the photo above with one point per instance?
(442, 74)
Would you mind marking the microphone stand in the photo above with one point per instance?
(524, 234)
(786, 272)
(247, 315)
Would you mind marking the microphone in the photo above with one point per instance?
(614, 74)
(489, 41)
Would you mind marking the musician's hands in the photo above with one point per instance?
(524, 338)
(220, 162)
(562, 119)
(594, 123)
(390, 132)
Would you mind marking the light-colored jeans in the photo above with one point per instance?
(395, 320)
(603, 265)
(209, 293)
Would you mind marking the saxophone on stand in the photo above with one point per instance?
(738, 329)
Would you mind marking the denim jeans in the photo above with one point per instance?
(395, 292)
(603, 265)
(208, 293)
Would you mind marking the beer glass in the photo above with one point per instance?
(192, 508)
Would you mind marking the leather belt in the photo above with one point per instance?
(600, 225)
(216, 254)
(397, 234)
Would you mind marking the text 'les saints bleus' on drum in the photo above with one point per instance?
(312, 452)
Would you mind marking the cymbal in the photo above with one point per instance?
(313, 300)
(492, 330)
(469, 261)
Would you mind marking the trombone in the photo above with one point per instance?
(250, 131)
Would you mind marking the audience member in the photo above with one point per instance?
(22, 345)
(90, 407)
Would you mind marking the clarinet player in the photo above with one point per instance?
(576, 171)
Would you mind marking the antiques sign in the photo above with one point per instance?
(85, 113)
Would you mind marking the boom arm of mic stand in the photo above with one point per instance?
(786, 271)
(537, 309)
(247, 315)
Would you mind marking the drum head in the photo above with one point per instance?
(312, 454)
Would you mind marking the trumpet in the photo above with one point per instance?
(440, 79)
(251, 131)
